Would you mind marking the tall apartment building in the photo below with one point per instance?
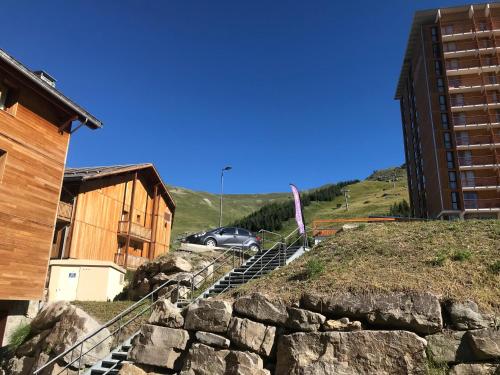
(449, 92)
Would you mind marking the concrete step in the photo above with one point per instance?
(121, 356)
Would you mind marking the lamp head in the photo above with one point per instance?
(227, 168)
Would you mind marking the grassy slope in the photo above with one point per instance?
(368, 197)
(200, 210)
(399, 256)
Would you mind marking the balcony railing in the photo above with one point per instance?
(133, 262)
(461, 63)
(469, 161)
(456, 82)
(136, 230)
(482, 204)
(64, 211)
(471, 182)
(478, 140)
(463, 101)
(461, 45)
(453, 28)
(463, 119)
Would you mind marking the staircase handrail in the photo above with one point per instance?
(259, 257)
(118, 317)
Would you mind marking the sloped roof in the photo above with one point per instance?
(90, 173)
(83, 115)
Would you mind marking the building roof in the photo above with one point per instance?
(90, 173)
(420, 18)
(51, 92)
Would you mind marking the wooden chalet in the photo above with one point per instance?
(36, 123)
(119, 213)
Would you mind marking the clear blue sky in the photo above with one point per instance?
(284, 91)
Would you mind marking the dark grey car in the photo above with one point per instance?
(226, 237)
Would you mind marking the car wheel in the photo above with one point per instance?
(254, 248)
(210, 242)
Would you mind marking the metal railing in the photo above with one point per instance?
(485, 139)
(482, 204)
(480, 181)
(464, 120)
(232, 257)
(460, 82)
(460, 27)
(461, 101)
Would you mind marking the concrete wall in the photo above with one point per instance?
(18, 312)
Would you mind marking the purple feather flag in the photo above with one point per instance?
(298, 209)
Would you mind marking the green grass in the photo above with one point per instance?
(399, 257)
(314, 268)
(198, 211)
(19, 336)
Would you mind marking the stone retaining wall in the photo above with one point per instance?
(348, 333)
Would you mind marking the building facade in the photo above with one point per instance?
(36, 122)
(449, 93)
(121, 214)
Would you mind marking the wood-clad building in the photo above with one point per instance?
(36, 122)
(118, 213)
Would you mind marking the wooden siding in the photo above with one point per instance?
(29, 194)
(98, 214)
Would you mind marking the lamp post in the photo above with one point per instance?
(222, 191)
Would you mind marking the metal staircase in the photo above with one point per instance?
(282, 252)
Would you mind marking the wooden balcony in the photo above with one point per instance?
(137, 231)
(133, 262)
(64, 211)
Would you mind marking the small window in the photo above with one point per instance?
(3, 162)
(228, 231)
(442, 103)
(168, 217)
(444, 120)
(447, 140)
(440, 84)
(243, 232)
(454, 200)
(453, 180)
(437, 68)
(138, 218)
(436, 51)
(434, 34)
(449, 160)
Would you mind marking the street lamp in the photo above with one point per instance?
(222, 191)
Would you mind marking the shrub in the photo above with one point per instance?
(461, 255)
(401, 209)
(439, 259)
(19, 336)
(495, 267)
(314, 268)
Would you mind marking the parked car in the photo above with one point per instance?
(226, 237)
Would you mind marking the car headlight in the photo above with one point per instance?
(200, 234)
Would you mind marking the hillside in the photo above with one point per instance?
(457, 260)
(198, 210)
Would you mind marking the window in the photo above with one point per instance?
(453, 180)
(440, 85)
(444, 120)
(453, 64)
(447, 140)
(243, 232)
(468, 179)
(449, 47)
(470, 200)
(168, 216)
(454, 200)
(437, 67)
(138, 218)
(228, 231)
(463, 138)
(460, 119)
(434, 34)
(3, 162)
(3, 96)
(8, 98)
(492, 78)
(449, 160)
(442, 103)
(436, 51)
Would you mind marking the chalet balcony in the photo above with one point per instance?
(463, 121)
(464, 31)
(480, 183)
(477, 142)
(492, 204)
(137, 231)
(64, 211)
(474, 103)
(479, 162)
(133, 262)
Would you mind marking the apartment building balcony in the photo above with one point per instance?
(464, 31)
(458, 67)
(64, 211)
(133, 262)
(474, 103)
(482, 205)
(472, 142)
(469, 48)
(479, 162)
(137, 231)
(480, 183)
(465, 121)
(460, 84)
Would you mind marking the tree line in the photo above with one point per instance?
(272, 215)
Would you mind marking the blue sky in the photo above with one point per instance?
(284, 91)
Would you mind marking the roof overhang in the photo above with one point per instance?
(50, 92)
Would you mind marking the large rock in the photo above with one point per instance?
(475, 369)
(417, 312)
(212, 339)
(466, 315)
(49, 315)
(158, 346)
(251, 335)
(449, 347)
(175, 264)
(485, 343)
(208, 315)
(349, 353)
(131, 369)
(166, 314)
(304, 320)
(20, 366)
(258, 307)
(74, 325)
(205, 360)
(33, 346)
